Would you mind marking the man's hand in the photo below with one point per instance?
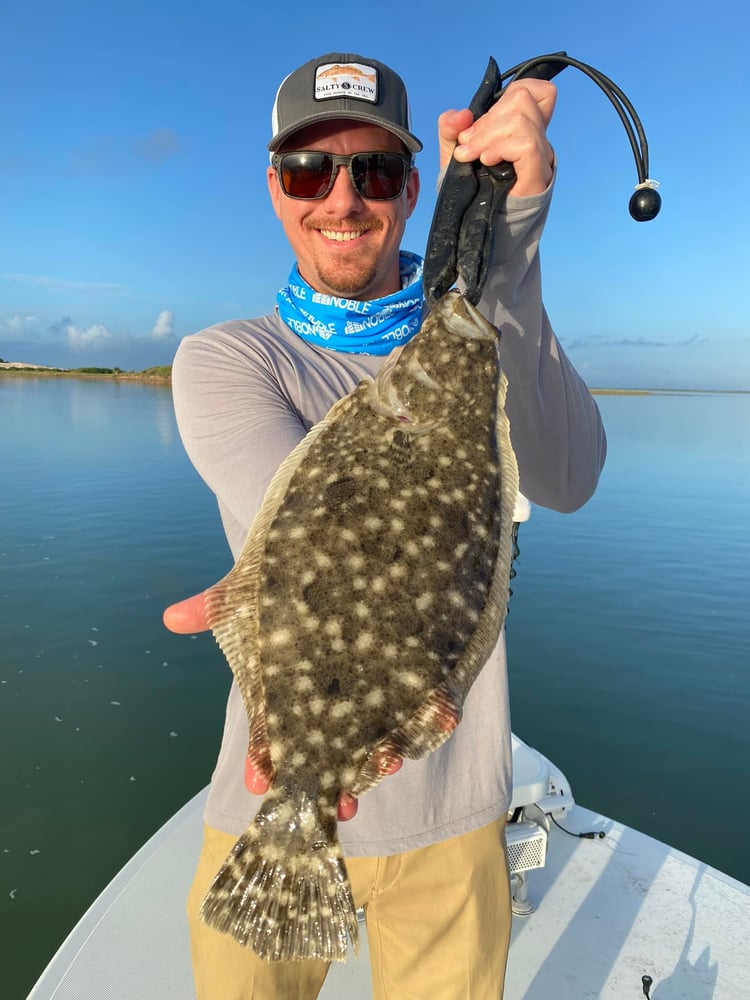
(188, 617)
(514, 129)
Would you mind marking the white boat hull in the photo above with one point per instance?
(607, 912)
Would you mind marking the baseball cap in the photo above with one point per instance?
(342, 85)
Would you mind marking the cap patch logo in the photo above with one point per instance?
(346, 80)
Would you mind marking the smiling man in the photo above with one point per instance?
(425, 848)
(345, 244)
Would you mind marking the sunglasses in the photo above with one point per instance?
(311, 174)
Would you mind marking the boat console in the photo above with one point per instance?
(540, 791)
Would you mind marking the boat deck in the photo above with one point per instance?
(608, 912)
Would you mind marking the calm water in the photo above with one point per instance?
(629, 636)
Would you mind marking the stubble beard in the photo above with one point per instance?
(351, 283)
(352, 279)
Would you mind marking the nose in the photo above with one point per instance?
(342, 198)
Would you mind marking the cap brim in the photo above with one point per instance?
(410, 141)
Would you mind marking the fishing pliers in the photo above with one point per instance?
(462, 232)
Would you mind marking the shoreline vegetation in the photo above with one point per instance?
(159, 373)
(163, 374)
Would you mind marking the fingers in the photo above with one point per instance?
(348, 804)
(348, 807)
(187, 616)
(255, 782)
(450, 125)
(514, 130)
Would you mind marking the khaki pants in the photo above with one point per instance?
(438, 926)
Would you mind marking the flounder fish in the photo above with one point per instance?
(371, 589)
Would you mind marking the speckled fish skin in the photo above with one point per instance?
(371, 589)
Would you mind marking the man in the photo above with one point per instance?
(425, 849)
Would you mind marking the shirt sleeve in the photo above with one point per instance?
(227, 394)
(555, 425)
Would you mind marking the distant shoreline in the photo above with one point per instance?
(162, 375)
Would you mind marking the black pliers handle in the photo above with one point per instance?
(462, 231)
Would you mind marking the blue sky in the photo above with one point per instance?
(133, 205)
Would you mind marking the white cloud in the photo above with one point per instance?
(164, 326)
(97, 333)
(15, 327)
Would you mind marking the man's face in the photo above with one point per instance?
(364, 265)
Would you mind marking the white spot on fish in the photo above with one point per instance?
(409, 679)
(364, 642)
(339, 709)
(374, 698)
(280, 636)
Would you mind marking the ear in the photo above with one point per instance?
(274, 189)
(412, 190)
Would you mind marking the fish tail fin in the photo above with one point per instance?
(283, 891)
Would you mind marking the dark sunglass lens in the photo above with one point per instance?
(306, 175)
(379, 176)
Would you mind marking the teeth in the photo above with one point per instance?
(340, 237)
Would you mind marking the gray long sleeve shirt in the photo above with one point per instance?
(246, 392)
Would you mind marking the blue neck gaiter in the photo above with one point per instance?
(370, 327)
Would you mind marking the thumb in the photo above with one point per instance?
(187, 616)
(450, 125)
